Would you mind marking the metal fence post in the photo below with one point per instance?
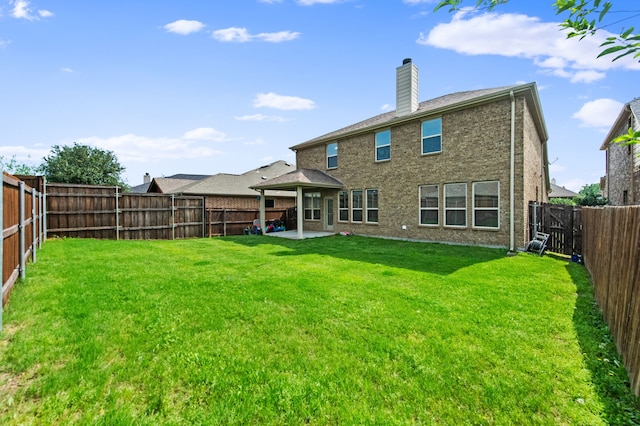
(21, 229)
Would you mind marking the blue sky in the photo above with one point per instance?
(226, 86)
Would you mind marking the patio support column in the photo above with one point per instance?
(300, 211)
(263, 224)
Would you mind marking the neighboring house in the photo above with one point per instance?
(622, 182)
(230, 191)
(460, 168)
(560, 191)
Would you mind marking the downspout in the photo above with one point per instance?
(512, 175)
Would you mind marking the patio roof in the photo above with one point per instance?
(303, 178)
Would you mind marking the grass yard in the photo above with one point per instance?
(336, 330)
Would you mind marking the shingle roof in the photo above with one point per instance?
(560, 192)
(168, 185)
(140, 189)
(239, 185)
(188, 176)
(310, 178)
(432, 106)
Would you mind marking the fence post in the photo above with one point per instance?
(204, 223)
(40, 218)
(117, 217)
(224, 222)
(173, 217)
(21, 230)
(34, 225)
(1, 243)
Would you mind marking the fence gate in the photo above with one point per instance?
(562, 223)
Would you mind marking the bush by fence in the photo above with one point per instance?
(612, 256)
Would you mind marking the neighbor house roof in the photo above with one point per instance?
(239, 185)
(306, 178)
(630, 108)
(560, 192)
(440, 105)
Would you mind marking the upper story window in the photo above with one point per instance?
(343, 206)
(312, 206)
(455, 204)
(383, 145)
(332, 155)
(429, 205)
(432, 136)
(486, 204)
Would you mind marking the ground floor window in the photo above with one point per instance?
(343, 206)
(455, 204)
(486, 204)
(312, 206)
(356, 205)
(429, 205)
(372, 206)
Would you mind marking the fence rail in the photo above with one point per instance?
(612, 256)
(22, 223)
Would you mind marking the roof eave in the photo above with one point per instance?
(613, 132)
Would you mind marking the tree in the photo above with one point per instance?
(14, 167)
(590, 195)
(82, 164)
(585, 18)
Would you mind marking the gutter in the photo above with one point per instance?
(512, 173)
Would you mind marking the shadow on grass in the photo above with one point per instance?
(435, 258)
(608, 374)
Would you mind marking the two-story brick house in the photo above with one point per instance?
(459, 168)
(621, 186)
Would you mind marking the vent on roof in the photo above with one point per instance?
(264, 177)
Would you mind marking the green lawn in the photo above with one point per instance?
(336, 330)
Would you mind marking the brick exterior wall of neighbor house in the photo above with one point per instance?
(619, 175)
(475, 148)
(246, 203)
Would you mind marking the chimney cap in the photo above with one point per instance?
(406, 61)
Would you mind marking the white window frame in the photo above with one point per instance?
(329, 156)
(447, 188)
(478, 209)
(429, 208)
(423, 137)
(383, 145)
(370, 208)
(354, 205)
(312, 206)
(343, 196)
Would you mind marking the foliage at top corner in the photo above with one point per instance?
(82, 164)
(585, 18)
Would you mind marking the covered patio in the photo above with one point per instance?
(298, 180)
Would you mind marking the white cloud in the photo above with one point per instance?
(67, 70)
(4, 43)
(258, 141)
(522, 36)
(599, 113)
(242, 35)
(22, 10)
(261, 117)
(134, 148)
(184, 27)
(414, 2)
(273, 100)
(23, 154)
(205, 134)
(385, 107)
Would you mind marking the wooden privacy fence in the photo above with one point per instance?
(89, 211)
(22, 223)
(612, 256)
(562, 223)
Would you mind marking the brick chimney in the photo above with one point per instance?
(406, 88)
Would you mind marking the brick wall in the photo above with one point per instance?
(475, 147)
